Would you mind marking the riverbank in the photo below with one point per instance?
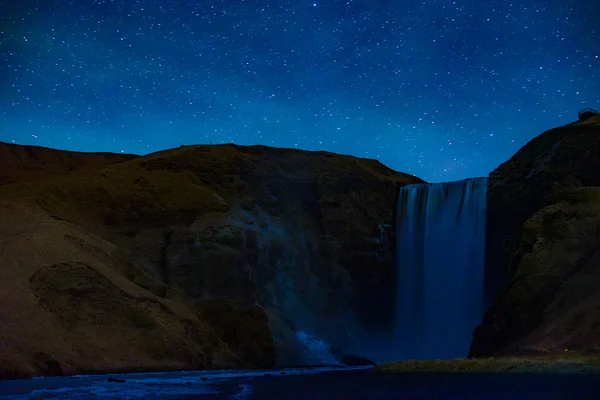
(567, 362)
(308, 384)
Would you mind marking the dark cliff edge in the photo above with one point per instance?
(543, 247)
(21, 162)
(190, 258)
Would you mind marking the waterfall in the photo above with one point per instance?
(440, 268)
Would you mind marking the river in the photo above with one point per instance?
(313, 384)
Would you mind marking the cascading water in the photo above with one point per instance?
(440, 267)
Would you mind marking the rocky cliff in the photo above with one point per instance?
(543, 246)
(196, 257)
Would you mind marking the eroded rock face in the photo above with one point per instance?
(69, 305)
(226, 249)
(308, 236)
(242, 328)
(80, 297)
(543, 240)
(312, 220)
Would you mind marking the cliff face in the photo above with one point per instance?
(196, 257)
(543, 246)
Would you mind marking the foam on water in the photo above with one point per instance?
(143, 385)
(316, 351)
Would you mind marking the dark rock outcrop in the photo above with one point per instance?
(542, 261)
(196, 257)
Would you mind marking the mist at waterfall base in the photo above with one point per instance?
(316, 351)
(440, 268)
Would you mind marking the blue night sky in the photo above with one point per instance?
(441, 89)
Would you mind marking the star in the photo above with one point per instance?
(390, 80)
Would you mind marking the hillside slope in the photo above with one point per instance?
(196, 257)
(19, 163)
(544, 239)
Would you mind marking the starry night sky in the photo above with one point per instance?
(441, 89)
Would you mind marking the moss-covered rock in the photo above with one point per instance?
(542, 259)
(520, 364)
(206, 256)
